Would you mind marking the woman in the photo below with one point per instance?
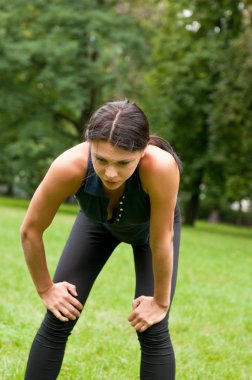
(126, 183)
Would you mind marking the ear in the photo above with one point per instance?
(143, 153)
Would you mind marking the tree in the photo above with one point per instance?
(230, 120)
(59, 61)
(189, 51)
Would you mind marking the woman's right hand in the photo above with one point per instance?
(61, 300)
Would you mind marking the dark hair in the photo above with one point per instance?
(124, 125)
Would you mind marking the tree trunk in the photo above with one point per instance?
(87, 112)
(192, 206)
(8, 190)
(239, 217)
(214, 216)
(191, 209)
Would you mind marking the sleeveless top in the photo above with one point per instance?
(131, 222)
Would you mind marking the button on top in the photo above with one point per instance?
(119, 216)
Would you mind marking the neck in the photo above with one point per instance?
(114, 193)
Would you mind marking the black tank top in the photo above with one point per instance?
(130, 224)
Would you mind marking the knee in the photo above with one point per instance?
(54, 331)
(155, 339)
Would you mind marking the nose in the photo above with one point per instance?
(110, 172)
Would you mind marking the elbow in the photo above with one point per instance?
(28, 239)
(162, 244)
(161, 247)
(30, 232)
(24, 234)
(28, 236)
(24, 237)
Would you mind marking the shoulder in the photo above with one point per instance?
(73, 162)
(63, 179)
(69, 168)
(158, 170)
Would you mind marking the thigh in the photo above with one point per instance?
(143, 266)
(86, 251)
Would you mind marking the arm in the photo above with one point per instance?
(60, 181)
(162, 184)
(161, 232)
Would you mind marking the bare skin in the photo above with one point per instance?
(158, 171)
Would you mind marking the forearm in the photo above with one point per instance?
(33, 248)
(162, 261)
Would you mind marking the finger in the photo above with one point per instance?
(71, 288)
(135, 317)
(135, 320)
(66, 312)
(143, 328)
(132, 317)
(58, 315)
(73, 310)
(73, 301)
(137, 323)
(73, 293)
(76, 304)
(136, 303)
(139, 327)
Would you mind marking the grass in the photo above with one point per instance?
(210, 319)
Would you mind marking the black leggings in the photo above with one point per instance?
(88, 248)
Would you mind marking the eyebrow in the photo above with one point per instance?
(127, 160)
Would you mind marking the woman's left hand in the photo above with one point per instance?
(145, 313)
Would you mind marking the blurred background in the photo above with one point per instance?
(188, 64)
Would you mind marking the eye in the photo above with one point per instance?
(123, 163)
(101, 160)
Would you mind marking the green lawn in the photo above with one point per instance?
(211, 318)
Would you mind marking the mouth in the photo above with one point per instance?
(110, 182)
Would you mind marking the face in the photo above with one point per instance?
(113, 165)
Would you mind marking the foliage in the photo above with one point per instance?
(60, 60)
(198, 51)
(230, 119)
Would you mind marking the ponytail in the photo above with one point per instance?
(164, 145)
